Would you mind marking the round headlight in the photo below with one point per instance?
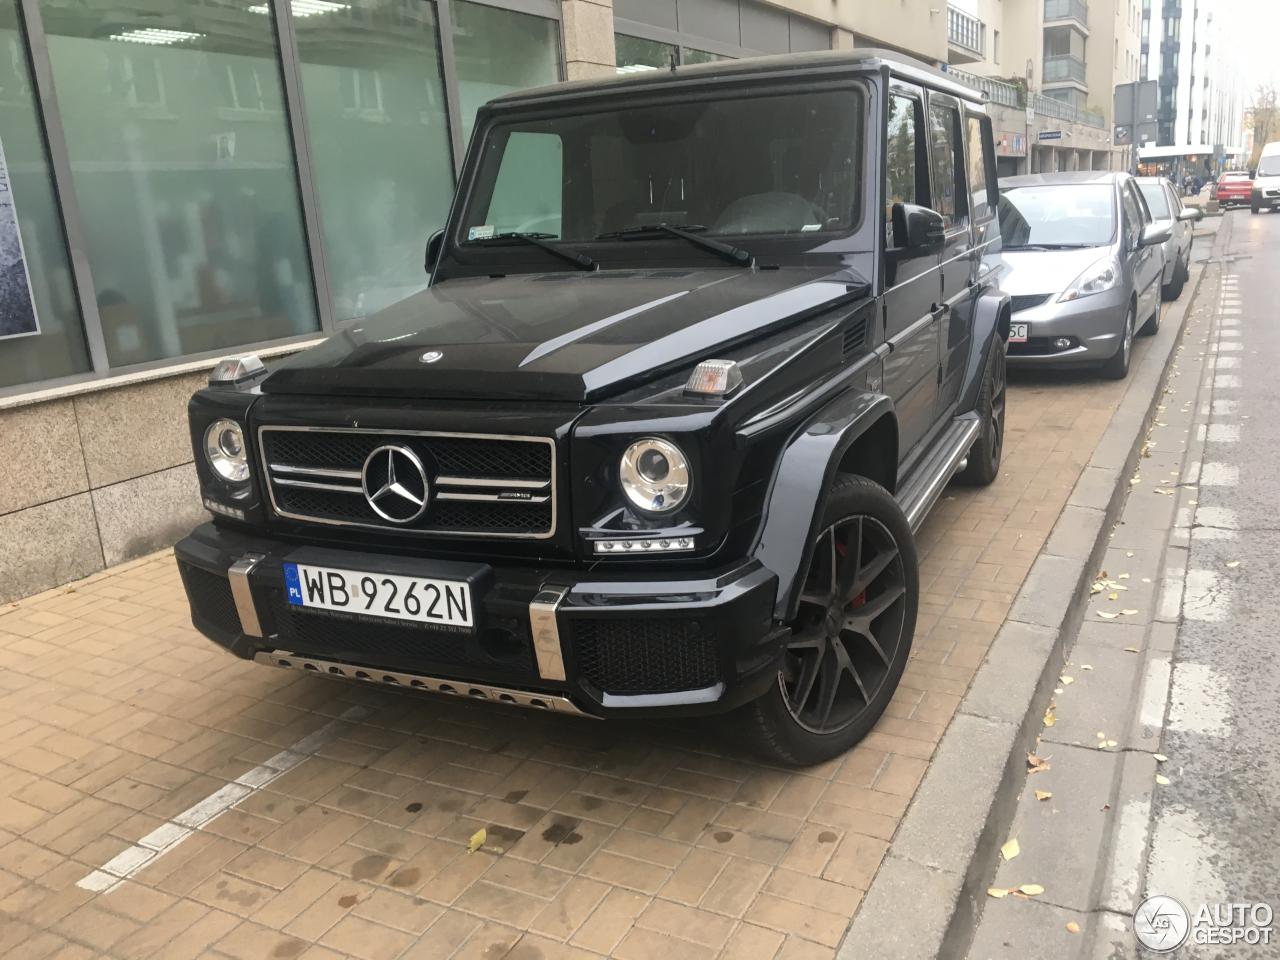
(224, 447)
(655, 476)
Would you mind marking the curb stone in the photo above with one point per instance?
(945, 849)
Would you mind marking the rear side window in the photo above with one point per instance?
(982, 172)
(948, 171)
(1157, 200)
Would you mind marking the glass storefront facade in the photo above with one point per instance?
(189, 177)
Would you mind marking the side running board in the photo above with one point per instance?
(921, 490)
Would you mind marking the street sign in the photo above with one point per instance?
(1050, 134)
(1136, 103)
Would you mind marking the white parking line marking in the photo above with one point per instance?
(1155, 691)
(1229, 322)
(1227, 363)
(1207, 597)
(1224, 408)
(1231, 346)
(1171, 598)
(167, 836)
(1224, 433)
(1200, 699)
(1223, 517)
(1220, 475)
(1226, 381)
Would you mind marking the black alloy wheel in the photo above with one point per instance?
(852, 635)
(984, 456)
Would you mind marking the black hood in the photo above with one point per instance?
(557, 336)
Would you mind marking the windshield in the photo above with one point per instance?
(1157, 200)
(1269, 166)
(785, 165)
(1057, 215)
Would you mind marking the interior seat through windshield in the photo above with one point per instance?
(1057, 215)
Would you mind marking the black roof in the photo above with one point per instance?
(817, 63)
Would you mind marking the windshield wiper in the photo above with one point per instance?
(727, 250)
(540, 240)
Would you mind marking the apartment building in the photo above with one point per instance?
(1200, 110)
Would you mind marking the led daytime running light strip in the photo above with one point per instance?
(653, 545)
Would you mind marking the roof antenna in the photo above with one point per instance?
(674, 61)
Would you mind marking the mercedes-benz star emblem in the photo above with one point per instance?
(395, 484)
(431, 356)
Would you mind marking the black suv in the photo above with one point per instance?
(699, 351)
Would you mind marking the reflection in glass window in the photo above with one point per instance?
(184, 173)
(634, 54)
(701, 56)
(377, 122)
(499, 51)
(943, 123)
(58, 350)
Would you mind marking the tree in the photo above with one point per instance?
(1264, 114)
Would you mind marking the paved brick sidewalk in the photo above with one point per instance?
(626, 840)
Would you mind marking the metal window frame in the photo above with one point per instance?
(49, 117)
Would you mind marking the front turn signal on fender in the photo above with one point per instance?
(714, 378)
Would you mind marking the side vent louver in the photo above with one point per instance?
(855, 336)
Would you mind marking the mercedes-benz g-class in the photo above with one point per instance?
(699, 350)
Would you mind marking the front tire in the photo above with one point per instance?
(1117, 368)
(851, 637)
(984, 455)
(1170, 291)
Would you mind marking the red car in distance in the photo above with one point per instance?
(1234, 188)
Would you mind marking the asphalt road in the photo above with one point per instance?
(1216, 829)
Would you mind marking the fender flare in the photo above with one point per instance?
(805, 473)
(992, 313)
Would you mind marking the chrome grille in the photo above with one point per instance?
(479, 485)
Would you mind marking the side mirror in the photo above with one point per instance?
(1154, 234)
(1190, 213)
(434, 243)
(917, 231)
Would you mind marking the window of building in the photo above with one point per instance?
(634, 54)
(995, 46)
(191, 216)
(689, 55)
(40, 332)
(378, 125)
(499, 51)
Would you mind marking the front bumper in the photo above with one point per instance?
(680, 644)
(1092, 324)
(1265, 198)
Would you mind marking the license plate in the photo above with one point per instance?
(1018, 332)
(386, 595)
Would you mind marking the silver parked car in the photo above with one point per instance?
(1167, 210)
(1083, 263)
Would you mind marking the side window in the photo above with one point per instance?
(906, 178)
(982, 174)
(527, 195)
(948, 170)
(1144, 212)
(1132, 217)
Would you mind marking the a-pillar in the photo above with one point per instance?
(588, 39)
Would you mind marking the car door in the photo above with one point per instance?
(1182, 228)
(1148, 263)
(911, 284)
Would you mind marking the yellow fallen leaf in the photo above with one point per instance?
(1127, 613)
(1043, 794)
(1073, 927)
(1101, 735)
(1031, 889)
(1233, 564)
(1129, 554)
(1124, 576)
(477, 840)
(1146, 579)
(1067, 679)
(1111, 743)
(1107, 616)
(1132, 650)
(1193, 502)
(1162, 780)
(996, 892)
(1010, 849)
(1085, 666)
(1136, 480)
(1113, 596)
(1160, 757)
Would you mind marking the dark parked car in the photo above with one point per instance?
(1084, 264)
(701, 348)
